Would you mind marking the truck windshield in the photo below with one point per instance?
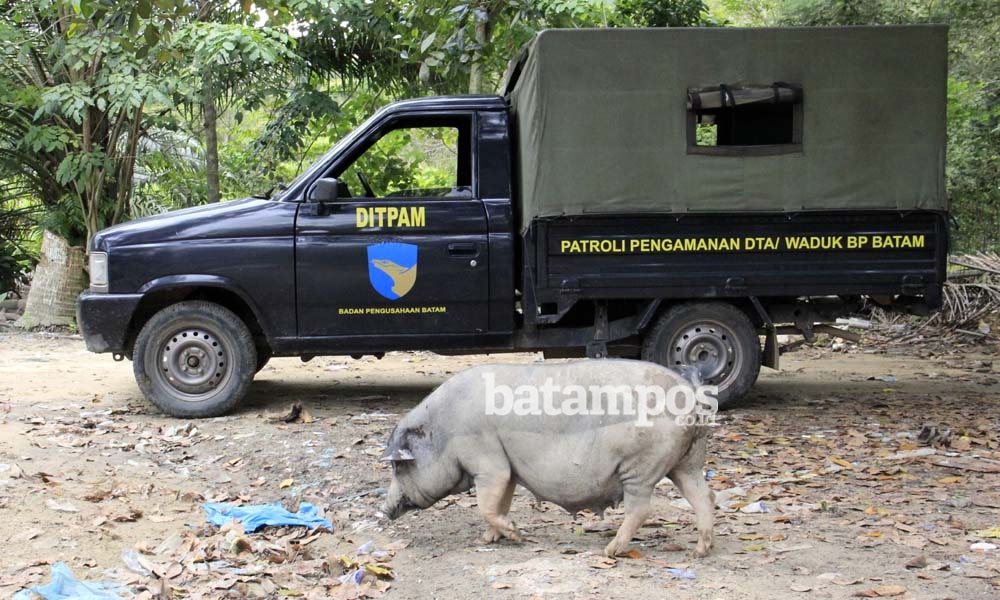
(294, 191)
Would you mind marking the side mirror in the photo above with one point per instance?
(325, 190)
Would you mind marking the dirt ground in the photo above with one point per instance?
(825, 490)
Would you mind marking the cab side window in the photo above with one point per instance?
(415, 158)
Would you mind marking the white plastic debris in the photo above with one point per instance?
(755, 507)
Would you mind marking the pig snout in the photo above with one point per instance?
(396, 504)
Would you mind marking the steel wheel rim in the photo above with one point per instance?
(194, 363)
(709, 347)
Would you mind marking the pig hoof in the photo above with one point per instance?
(615, 549)
(489, 536)
(701, 551)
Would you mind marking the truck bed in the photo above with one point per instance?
(874, 253)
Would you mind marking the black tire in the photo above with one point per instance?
(714, 337)
(171, 360)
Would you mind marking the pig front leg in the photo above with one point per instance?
(636, 511)
(494, 494)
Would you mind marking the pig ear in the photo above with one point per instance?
(396, 454)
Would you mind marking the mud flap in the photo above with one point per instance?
(771, 352)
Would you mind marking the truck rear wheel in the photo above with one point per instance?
(714, 337)
(194, 359)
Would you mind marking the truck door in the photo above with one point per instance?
(403, 249)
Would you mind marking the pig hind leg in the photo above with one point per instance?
(494, 496)
(636, 510)
(688, 478)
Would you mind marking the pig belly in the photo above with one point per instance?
(569, 471)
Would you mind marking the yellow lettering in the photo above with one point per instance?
(390, 216)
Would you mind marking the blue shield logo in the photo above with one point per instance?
(392, 268)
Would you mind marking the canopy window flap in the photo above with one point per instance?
(721, 96)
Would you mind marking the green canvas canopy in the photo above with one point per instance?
(737, 120)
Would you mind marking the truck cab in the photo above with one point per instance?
(379, 265)
(200, 299)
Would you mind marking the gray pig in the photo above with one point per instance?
(449, 442)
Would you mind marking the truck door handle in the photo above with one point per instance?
(463, 249)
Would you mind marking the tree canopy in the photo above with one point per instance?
(112, 110)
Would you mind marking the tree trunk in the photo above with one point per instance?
(482, 37)
(211, 137)
(58, 280)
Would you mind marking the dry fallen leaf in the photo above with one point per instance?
(883, 591)
(287, 483)
(173, 570)
(397, 545)
(601, 562)
(841, 462)
(287, 417)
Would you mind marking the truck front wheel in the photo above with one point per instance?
(194, 359)
(714, 337)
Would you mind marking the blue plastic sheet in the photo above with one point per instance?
(66, 587)
(260, 515)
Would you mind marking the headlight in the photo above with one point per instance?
(99, 271)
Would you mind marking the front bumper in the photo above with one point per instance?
(103, 319)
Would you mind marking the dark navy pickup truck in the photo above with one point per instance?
(489, 259)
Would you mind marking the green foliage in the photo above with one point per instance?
(465, 46)
(664, 13)
(247, 63)
(974, 165)
(17, 217)
(79, 77)
(746, 13)
(101, 103)
(16, 262)
(706, 134)
(409, 159)
(846, 12)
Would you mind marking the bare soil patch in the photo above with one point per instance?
(828, 489)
